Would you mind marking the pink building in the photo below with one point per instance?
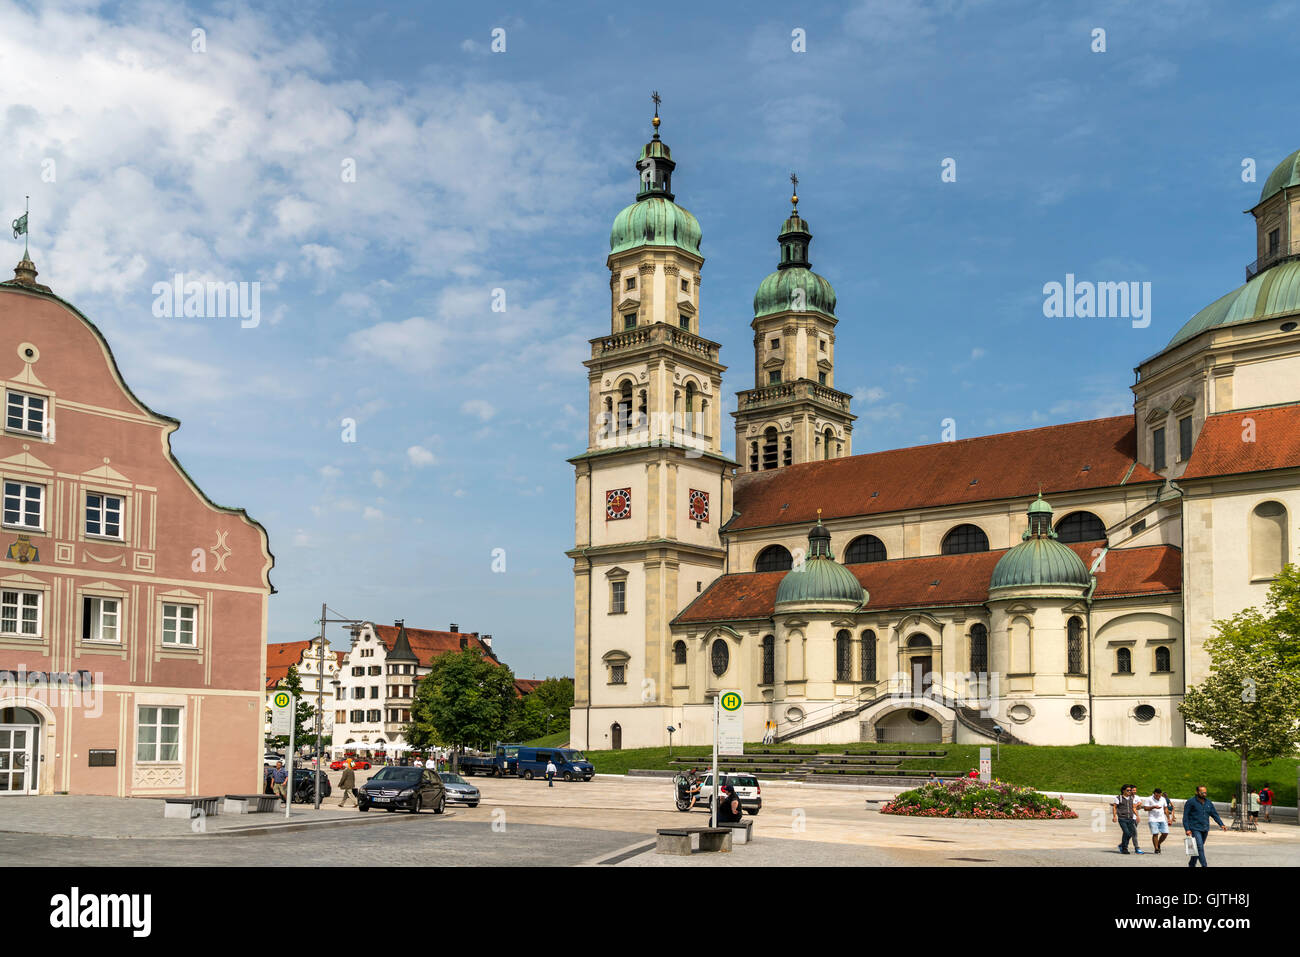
(132, 607)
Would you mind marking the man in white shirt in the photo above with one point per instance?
(1156, 808)
(430, 763)
(550, 773)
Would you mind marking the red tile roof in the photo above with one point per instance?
(1098, 453)
(938, 580)
(428, 645)
(525, 686)
(280, 656)
(1229, 444)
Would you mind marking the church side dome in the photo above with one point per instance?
(1286, 173)
(1274, 292)
(1040, 559)
(794, 285)
(654, 219)
(821, 580)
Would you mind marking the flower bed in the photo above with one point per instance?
(966, 797)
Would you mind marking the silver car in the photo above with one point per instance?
(459, 791)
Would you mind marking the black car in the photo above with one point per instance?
(408, 788)
(304, 785)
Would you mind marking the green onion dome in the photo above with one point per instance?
(1040, 559)
(794, 285)
(821, 579)
(654, 219)
(1274, 292)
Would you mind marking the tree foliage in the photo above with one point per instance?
(466, 700)
(544, 711)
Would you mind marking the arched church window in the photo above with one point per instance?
(625, 408)
(1080, 527)
(679, 653)
(721, 657)
(1268, 539)
(753, 456)
(864, 548)
(979, 650)
(918, 642)
(1074, 645)
(826, 443)
(769, 448)
(769, 660)
(965, 539)
(1124, 662)
(690, 407)
(774, 558)
(843, 656)
(1162, 660)
(787, 455)
(868, 655)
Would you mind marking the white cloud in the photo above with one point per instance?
(478, 407)
(872, 394)
(379, 478)
(330, 472)
(977, 353)
(372, 514)
(414, 344)
(420, 456)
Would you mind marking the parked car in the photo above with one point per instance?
(459, 791)
(408, 788)
(304, 783)
(360, 764)
(570, 765)
(270, 757)
(745, 785)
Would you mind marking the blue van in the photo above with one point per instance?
(570, 765)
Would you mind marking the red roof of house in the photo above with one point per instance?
(1099, 453)
(280, 656)
(526, 685)
(428, 645)
(1255, 440)
(941, 580)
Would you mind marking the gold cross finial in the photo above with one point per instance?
(654, 95)
(794, 198)
(819, 514)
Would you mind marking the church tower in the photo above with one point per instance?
(653, 486)
(794, 413)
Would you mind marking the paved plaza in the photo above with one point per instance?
(610, 821)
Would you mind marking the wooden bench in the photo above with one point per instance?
(249, 803)
(184, 807)
(677, 840)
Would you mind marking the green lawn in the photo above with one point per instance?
(557, 740)
(1088, 768)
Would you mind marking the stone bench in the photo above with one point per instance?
(742, 832)
(249, 803)
(677, 840)
(184, 807)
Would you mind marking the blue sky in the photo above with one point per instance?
(478, 170)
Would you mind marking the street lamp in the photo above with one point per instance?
(671, 729)
(997, 730)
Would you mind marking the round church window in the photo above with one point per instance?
(1144, 713)
(1020, 712)
(1078, 712)
(794, 714)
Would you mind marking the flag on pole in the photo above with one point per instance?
(20, 226)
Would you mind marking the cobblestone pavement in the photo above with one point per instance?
(585, 822)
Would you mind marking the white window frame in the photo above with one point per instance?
(97, 622)
(158, 725)
(104, 498)
(194, 633)
(24, 429)
(19, 604)
(25, 486)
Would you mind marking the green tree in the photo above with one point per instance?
(1273, 630)
(304, 716)
(544, 710)
(1249, 704)
(465, 700)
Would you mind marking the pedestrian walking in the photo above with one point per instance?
(1156, 807)
(550, 773)
(1266, 801)
(1197, 812)
(1253, 806)
(267, 771)
(430, 764)
(278, 778)
(347, 784)
(1124, 812)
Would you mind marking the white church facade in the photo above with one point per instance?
(1048, 586)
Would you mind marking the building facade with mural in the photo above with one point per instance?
(133, 609)
(1048, 586)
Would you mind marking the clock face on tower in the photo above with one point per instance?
(618, 503)
(699, 505)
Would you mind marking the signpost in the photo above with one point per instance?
(283, 707)
(728, 738)
(986, 765)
